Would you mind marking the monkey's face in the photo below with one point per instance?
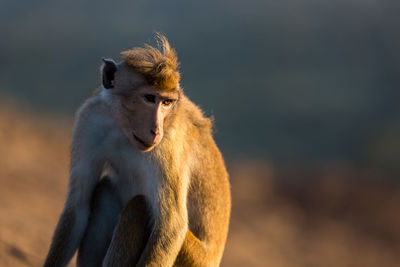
(144, 111)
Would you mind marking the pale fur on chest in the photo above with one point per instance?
(131, 172)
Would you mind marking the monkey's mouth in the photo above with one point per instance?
(146, 145)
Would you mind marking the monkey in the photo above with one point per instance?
(148, 185)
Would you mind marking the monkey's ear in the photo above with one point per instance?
(108, 70)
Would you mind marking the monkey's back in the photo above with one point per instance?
(209, 199)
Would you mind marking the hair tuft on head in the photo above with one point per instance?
(158, 65)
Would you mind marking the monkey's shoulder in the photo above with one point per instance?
(95, 106)
(198, 122)
(94, 117)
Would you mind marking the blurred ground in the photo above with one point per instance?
(328, 216)
(324, 217)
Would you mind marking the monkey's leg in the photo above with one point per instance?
(105, 207)
(131, 234)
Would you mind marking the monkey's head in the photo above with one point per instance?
(146, 87)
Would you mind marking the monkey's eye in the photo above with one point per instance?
(167, 102)
(150, 98)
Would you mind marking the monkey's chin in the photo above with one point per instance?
(141, 145)
(145, 149)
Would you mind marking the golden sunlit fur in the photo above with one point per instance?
(158, 66)
(140, 145)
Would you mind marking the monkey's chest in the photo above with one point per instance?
(137, 176)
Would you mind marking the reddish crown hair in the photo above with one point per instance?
(158, 65)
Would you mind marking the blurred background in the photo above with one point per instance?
(305, 96)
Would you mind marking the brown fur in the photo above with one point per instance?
(158, 66)
(187, 205)
(134, 225)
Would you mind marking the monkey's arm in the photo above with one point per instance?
(86, 166)
(169, 229)
(130, 235)
(72, 222)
